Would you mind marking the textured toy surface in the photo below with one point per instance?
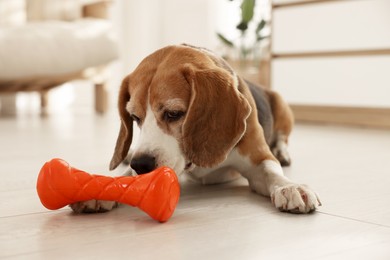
(156, 193)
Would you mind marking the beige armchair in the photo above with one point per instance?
(45, 43)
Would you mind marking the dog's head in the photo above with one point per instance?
(188, 108)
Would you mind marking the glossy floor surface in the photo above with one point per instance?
(348, 167)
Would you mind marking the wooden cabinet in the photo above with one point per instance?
(331, 59)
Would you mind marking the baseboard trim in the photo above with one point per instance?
(345, 53)
(358, 116)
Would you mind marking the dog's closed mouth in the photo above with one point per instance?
(188, 166)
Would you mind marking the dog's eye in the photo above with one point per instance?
(171, 116)
(136, 118)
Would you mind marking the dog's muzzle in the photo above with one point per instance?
(143, 164)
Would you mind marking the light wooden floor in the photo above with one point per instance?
(348, 167)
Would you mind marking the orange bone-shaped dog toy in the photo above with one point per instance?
(156, 193)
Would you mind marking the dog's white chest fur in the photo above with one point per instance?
(227, 171)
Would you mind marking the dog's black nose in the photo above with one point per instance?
(143, 164)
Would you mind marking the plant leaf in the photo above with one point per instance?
(260, 26)
(242, 26)
(225, 40)
(247, 10)
(260, 38)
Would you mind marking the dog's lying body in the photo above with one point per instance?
(198, 117)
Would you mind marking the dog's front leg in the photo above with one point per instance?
(267, 179)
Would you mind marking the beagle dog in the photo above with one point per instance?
(197, 116)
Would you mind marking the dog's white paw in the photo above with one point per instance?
(295, 198)
(93, 206)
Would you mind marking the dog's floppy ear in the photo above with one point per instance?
(126, 129)
(216, 117)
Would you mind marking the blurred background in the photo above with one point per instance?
(330, 59)
(61, 64)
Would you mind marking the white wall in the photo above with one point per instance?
(147, 25)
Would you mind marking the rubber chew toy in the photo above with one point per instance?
(156, 193)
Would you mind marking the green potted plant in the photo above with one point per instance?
(245, 50)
